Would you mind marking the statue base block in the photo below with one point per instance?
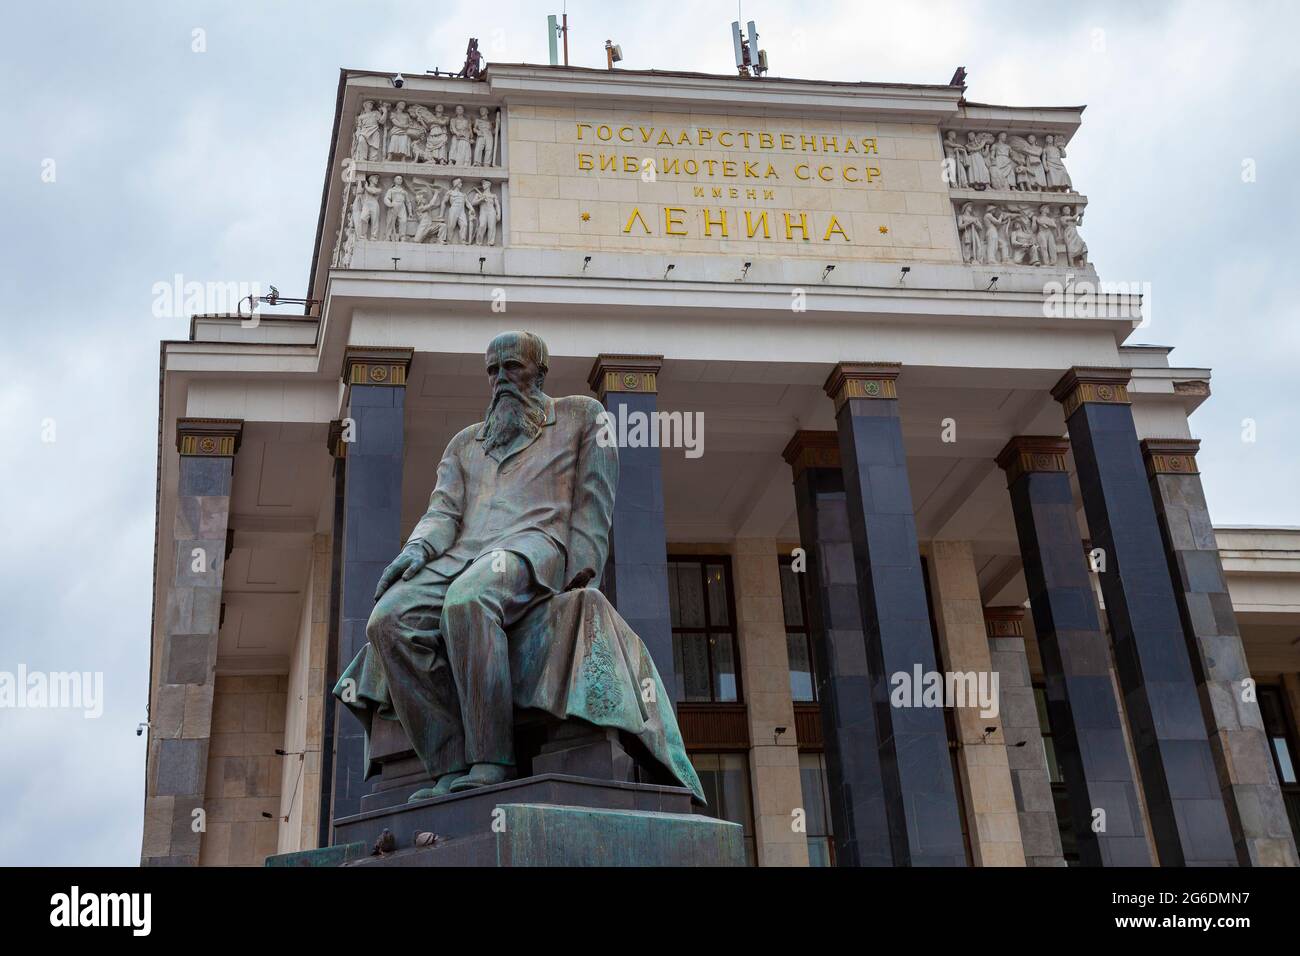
(548, 820)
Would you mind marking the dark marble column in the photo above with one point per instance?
(1087, 727)
(372, 434)
(912, 741)
(636, 574)
(180, 714)
(1188, 819)
(1257, 815)
(856, 789)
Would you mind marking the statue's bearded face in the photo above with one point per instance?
(518, 404)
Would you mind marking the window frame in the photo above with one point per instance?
(814, 664)
(701, 561)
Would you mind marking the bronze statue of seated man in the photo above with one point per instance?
(492, 604)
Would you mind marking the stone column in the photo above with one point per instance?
(855, 787)
(1086, 723)
(180, 714)
(636, 573)
(765, 676)
(1247, 780)
(372, 533)
(982, 755)
(1030, 780)
(920, 796)
(1188, 819)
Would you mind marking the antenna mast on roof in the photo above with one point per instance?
(473, 61)
(560, 29)
(750, 60)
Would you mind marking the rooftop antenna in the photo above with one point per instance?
(557, 30)
(750, 60)
(473, 61)
(613, 53)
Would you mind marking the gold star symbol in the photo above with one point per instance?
(884, 230)
(586, 217)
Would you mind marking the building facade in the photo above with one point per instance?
(912, 529)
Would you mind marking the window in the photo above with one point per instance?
(1281, 741)
(1064, 821)
(817, 809)
(798, 642)
(725, 780)
(704, 631)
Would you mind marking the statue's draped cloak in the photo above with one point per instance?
(571, 656)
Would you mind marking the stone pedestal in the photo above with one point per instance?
(546, 820)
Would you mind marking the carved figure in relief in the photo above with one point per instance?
(1002, 170)
(955, 154)
(487, 207)
(484, 138)
(461, 132)
(398, 201)
(1029, 163)
(365, 208)
(429, 201)
(995, 242)
(349, 245)
(402, 130)
(968, 227)
(434, 148)
(458, 212)
(1046, 229)
(1053, 165)
(1024, 248)
(1076, 250)
(368, 138)
(977, 160)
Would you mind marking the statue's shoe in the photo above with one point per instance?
(483, 775)
(441, 788)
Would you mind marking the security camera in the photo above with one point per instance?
(139, 728)
(399, 81)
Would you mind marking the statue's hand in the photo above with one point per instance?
(405, 566)
(580, 580)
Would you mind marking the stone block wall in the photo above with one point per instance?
(244, 772)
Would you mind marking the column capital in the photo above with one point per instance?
(334, 440)
(1004, 621)
(862, 380)
(1170, 456)
(209, 437)
(1026, 454)
(625, 373)
(1089, 384)
(812, 449)
(376, 365)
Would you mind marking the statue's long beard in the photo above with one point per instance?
(513, 414)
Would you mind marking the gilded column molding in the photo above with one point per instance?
(812, 449)
(334, 441)
(376, 365)
(625, 373)
(208, 437)
(1170, 456)
(862, 380)
(1026, 454)
(1079, 385)
(1004, 621)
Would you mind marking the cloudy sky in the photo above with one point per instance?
(131, 157)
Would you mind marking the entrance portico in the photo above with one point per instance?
(895, 542)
